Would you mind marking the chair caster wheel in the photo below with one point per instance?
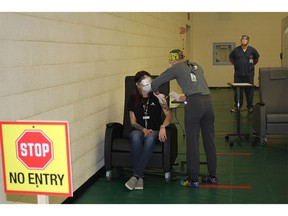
(168, 177)
(108, 175)
(263, 141)
(231, 144)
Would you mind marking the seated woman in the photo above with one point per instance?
(145, 111)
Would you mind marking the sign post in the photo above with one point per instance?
(36, 159)
(42, 199)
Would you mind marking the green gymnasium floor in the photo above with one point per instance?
(248, 173)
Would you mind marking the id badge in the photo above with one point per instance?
(193, 78)
(146, 117)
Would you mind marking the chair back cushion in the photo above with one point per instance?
(273, 83)
(129, 90)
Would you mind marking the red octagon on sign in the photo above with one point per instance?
(34, 149)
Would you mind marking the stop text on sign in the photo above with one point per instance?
(34, 149)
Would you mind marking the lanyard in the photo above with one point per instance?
(146, 117)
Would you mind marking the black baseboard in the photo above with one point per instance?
(82, 188)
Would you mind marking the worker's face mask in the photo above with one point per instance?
(244, 41)
(144, 84)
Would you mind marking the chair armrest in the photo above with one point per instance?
(113, 130)
(259, 119)
(170, 146)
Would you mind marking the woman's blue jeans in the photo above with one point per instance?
(142, 149)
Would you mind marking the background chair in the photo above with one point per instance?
(270, 115)
(117, 144)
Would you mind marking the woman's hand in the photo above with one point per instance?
(147, 132)
(182, 98)
(162, 134)
(177, 97)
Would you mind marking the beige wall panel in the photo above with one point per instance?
(72, 66)
(284, 32)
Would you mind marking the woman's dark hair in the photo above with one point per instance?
(138, 97)
(139, 75)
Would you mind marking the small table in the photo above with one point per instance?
(238, 134)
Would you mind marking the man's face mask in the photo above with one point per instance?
(144, 84)
(244, 41)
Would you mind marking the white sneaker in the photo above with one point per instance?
(139, 184)
(131, 183)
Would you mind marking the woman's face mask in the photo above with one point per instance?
(144, 84)
(147, 88)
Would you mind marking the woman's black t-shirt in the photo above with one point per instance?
(151, 107)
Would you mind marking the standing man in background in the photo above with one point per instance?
(244, 58)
